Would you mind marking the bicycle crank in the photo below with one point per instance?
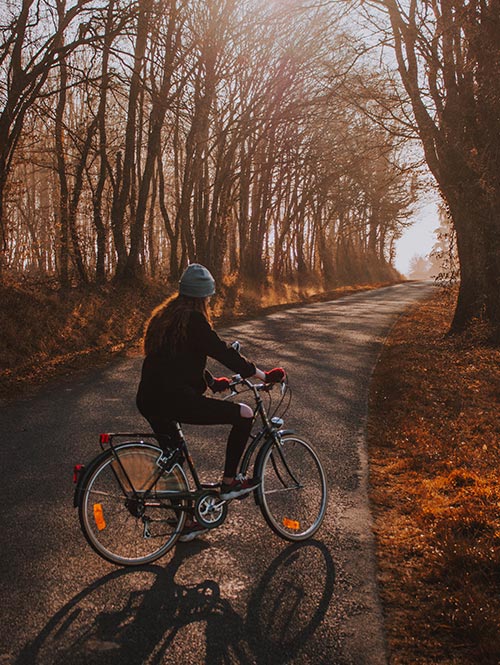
(210, 510)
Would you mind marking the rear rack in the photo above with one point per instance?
(106, 439)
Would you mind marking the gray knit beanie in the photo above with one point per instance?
(196, 282)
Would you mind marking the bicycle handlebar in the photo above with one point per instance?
(237, 380)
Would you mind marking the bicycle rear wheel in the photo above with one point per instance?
(293, 493)
(126, 508)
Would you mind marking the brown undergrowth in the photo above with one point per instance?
(434, 434)
(47, 333)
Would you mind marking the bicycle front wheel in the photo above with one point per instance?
(128, 509)
(293, 493)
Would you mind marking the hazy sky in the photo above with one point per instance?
(419, 238)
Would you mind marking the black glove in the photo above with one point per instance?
(220, 384)
(275, 375)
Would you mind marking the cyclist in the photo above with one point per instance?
(178, 339)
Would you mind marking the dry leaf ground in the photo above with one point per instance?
(434, 435)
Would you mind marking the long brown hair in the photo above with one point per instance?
(172, 316)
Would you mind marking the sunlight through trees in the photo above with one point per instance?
(138, 136)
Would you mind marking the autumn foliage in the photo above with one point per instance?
(138, 137)
(435, 462)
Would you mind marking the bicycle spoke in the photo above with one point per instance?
(293, 508)
(130, 527)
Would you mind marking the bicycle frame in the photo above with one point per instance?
(147, 512)
(269, 430)
(258, 441)
(163, 467)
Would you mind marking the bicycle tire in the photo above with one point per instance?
(293, 493)
(122, 521)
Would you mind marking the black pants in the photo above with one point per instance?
(200, 410)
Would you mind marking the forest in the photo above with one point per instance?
(277, 142)
(136, 137)
(286, 145)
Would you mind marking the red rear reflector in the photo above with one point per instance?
(77, 469)
(104, 438)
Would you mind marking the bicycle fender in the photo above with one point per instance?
(257, 467)
(89, 468)
(82, 478)
(257, 470)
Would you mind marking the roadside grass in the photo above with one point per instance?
(47, 333)
(434, 434)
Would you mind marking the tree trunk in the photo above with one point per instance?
(3, 234)
(172, 232)
(100, 268)
(74, 200)
(124, 183)
(478, 251)
(468, 215)
(459, 68)
(117, 221)
(63, 182)
(492, 270)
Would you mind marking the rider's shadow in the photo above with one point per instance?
(283, 613)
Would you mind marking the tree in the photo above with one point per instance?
(419, 267)
(448, 58)
(161, 98)
(158, 132)
(443, 255)
(28, 53)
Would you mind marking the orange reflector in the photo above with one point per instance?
(291, 524)
(99, 517)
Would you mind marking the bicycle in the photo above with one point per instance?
(133, 499)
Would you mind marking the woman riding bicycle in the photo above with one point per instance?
(179, 337)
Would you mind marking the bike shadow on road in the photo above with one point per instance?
(110, 622)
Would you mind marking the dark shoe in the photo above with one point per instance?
(239, 488)
(191, 531)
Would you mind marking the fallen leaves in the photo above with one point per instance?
(435, 460)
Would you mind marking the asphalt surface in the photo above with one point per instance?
(239, 594)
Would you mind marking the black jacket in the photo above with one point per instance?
(169, 373)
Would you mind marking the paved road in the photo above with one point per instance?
(240, 594)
